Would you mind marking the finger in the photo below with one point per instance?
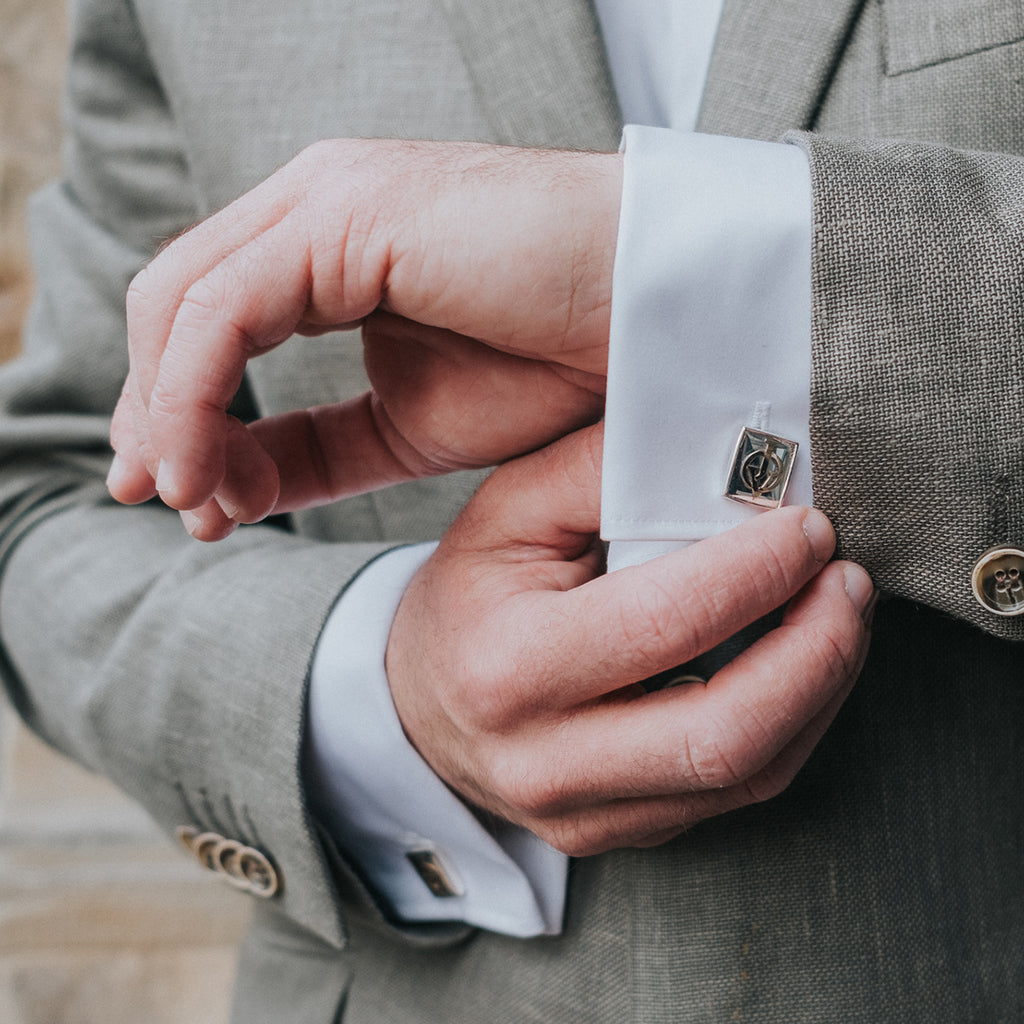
(248, 492)
(451, 403)
(646, 821)
(128, 480)
(745, 730)
(208, 522)
(246, 304)
(332, 452)
(632, 624)
(549, 500)
(156, 293)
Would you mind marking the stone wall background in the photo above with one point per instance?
(102, 920)
(31, 63)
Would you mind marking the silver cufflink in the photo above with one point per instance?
(761, 467)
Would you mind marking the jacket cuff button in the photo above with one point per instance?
(998, 581)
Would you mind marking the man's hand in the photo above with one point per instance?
(516, 668)
(483, 276)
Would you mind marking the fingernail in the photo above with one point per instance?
(116, 473)
(164, 477)
(860, 590)
(192, 522)
(226, 507)
(868, 614)
(818, 531)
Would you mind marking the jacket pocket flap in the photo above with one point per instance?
(919, 33)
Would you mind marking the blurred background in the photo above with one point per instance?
(102, 920)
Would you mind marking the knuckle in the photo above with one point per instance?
(770, 568)
(834, 649)
(768, 783)
(716, 758)
(570, 837)
(164, 402)
(170, 403)
(532, 791)
(138, 297)
(207, 321)
(485, 702)
(203, 299)
(316, 154)
(318, 162)
(779, 566)
(656, 625)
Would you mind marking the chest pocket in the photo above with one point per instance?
(921, 33)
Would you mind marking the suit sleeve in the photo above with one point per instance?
(179, 670)
(917, 319)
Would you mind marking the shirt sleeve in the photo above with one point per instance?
(382, 802)
(710, 332)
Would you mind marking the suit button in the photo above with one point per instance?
(998, 581)
(203, 847)
(225, 858)
(260, 875)
(242, 866)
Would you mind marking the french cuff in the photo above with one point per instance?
(710, 332)
(415, 842)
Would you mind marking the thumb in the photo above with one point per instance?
(546, 504)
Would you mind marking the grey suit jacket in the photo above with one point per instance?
(887, 882)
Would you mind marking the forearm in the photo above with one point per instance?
(917, 316)
(178, 670)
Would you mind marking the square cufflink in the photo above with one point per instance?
(434, 873)
(761, 467)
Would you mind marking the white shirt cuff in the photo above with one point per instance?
(710, 329)
(380, 800)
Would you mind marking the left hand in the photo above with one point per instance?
(516, 665)
(482, 276)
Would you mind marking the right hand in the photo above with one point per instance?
(516, 666)
(482, 275)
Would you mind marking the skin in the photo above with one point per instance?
(482, 280)
(482, 277)
(515, 664)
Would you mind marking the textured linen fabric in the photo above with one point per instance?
(885, 884)
(876, 395)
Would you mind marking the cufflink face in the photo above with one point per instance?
(998, 581)
(434, 875)
(761, 467)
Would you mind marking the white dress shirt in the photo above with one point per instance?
(710, 333)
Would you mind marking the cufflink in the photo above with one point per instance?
(761, 467)
(433, 872)
(998, 581)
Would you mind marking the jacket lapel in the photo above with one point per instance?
(539, 70)
(772, 61)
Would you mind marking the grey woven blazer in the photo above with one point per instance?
(886, 884)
